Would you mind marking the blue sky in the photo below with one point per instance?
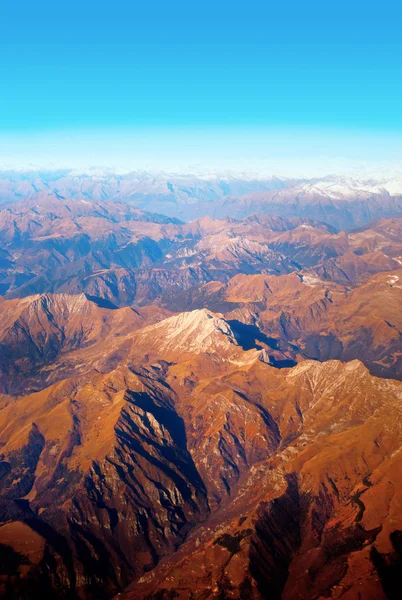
(155, 71)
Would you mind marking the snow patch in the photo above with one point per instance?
(310, 280)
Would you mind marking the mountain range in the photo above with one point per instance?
(345, 201)
(199, 409)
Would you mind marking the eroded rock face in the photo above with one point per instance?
(110, 485)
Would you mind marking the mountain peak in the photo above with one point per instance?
(197, 331)
(73, 304)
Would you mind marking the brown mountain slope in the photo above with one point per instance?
(103, 474)
(48, 337)
(319, 517)
(106, 483)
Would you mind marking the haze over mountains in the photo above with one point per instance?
(198, 406)
(346, 201)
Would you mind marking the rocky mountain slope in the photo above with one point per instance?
(47, 337)
(305, 521)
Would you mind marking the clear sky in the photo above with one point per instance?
(154, 75)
